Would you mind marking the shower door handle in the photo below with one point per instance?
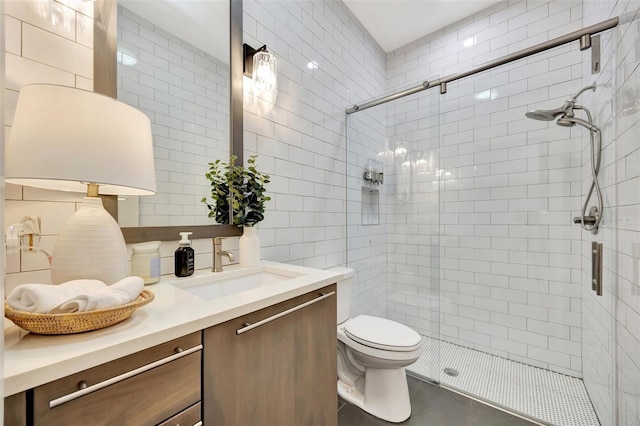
(596, 267)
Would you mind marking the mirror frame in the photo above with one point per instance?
(105, 34)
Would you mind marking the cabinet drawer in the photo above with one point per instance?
(143, 388)
(189, 417)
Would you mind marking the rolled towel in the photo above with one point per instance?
(117, 294)
(41, 298)
(131, 286)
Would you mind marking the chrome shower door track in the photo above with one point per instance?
(581, 35)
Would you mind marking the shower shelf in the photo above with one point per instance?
(370, 206)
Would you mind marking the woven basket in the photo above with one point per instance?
(75, 322)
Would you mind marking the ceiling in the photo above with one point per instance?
(394, 23)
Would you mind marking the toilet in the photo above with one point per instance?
(372, 355)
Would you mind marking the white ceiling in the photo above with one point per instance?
(394, 23)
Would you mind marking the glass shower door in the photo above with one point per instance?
(511, 275)
(393, 225)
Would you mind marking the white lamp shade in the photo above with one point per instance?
(63, 138)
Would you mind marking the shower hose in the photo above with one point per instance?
(594, 147)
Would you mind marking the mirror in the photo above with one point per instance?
(173, 64)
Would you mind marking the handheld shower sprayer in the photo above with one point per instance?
(566, 118)
(572, 121)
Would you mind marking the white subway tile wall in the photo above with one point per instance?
(185, 93)
(326, 60)
(610, 324)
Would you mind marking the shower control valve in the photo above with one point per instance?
(590, 221)
(373, 173)
(374, 177)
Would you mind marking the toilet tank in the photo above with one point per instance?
(344, 289)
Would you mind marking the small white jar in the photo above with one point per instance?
(145, 261)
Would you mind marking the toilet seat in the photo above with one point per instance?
(381, 333)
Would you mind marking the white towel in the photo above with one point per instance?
(117, 294)
(41, 298)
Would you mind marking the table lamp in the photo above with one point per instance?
(68, 139)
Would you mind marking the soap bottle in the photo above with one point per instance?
(184, 256)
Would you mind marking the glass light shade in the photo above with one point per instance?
(264, 71)
(63, 138)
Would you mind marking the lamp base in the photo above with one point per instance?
(90, 246)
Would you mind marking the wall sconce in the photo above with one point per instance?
(260, 66)
(69, 139)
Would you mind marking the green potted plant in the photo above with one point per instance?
(240, 190)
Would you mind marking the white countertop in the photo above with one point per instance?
(31, 360)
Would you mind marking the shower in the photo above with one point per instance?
(477, 248)
(589, 220)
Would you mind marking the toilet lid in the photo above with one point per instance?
(382, 333)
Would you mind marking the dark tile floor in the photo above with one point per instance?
(434, 406)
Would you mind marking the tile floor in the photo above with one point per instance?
(551, 397)
(432, 405)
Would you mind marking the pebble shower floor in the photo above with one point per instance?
(542, 394)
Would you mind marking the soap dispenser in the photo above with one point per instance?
(184, 256)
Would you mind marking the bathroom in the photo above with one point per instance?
(314, 218)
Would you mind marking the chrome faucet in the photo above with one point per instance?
(218, 253)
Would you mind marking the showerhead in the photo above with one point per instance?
(545, 114)
(565, 110)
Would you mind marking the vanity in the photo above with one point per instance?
(245, 346)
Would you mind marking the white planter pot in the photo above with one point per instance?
(249, 247)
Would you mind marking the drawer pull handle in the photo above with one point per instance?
(89, 389)
(248, 327)
(178, 349)
(82, 385)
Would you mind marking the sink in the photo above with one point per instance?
(210, 285)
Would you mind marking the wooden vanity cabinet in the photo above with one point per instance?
(190, 416)
(145, 388)
(15, 410)
(275, 366)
